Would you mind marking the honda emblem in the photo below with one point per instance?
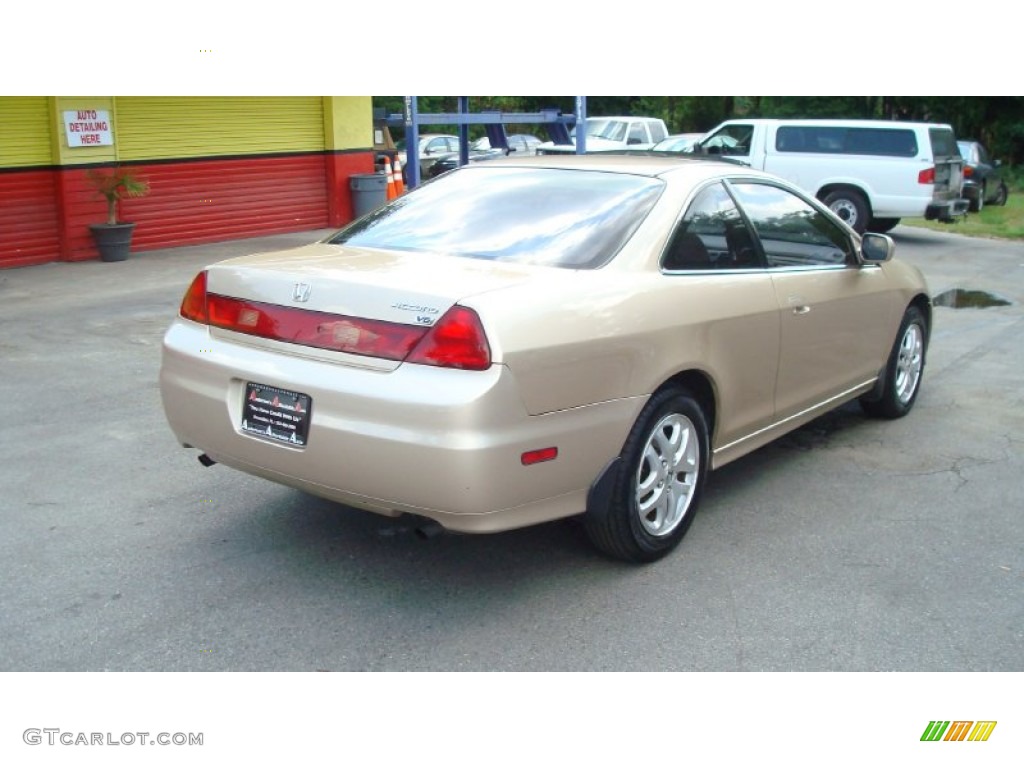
(302, 291)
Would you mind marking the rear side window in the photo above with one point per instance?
(555, 217)
(885, 142)
(712, 235)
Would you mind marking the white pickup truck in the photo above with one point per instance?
(871, 173)
(611, 133)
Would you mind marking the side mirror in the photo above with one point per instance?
(876, 248)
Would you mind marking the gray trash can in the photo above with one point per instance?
(369, 192)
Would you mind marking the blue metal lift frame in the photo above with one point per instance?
(494, 123)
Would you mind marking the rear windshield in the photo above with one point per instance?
(887, 142)
(575, 219)
(943, 142)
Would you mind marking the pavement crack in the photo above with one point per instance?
(956, 468)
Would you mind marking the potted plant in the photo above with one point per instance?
(114, 238)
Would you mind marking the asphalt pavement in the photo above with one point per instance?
(852, 544)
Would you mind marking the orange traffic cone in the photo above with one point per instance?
(399, 181)
(392, 194)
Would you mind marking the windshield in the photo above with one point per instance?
(675, 144)
(613, 130)
(562, 218)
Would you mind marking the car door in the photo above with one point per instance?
(726, 312)
(834, 312)
(949, 166)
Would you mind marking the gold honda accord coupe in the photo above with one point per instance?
(531, 339)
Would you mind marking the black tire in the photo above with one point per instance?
(975, 204)
(623, 528)
(1001, 195)
(850, 206)
(904, 369)
(881, 226)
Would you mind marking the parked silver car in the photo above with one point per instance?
(520, 144)
(432, 147)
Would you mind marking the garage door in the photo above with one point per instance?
(29, 232)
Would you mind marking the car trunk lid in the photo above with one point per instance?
(330, 301)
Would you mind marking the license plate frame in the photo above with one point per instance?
(276, 414)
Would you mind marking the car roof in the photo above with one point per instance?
(833, 122)
(621, 117)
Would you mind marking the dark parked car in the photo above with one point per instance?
(983, 176)
(523, 144)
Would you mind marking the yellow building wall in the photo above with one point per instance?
(25, 131)
(348, 122)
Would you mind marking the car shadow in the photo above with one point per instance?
(325, 546)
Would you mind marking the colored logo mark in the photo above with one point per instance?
(958, 730)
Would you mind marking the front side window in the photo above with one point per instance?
(730, 140)
(637, 134)
(793, 233)
(575, 219)
(712, 235)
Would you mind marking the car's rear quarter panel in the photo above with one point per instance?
(607, 336)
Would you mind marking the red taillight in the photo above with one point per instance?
(456, 341)
(927, 176)
(968, 171)
(193, 306)
(323, 330)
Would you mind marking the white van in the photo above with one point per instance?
(871, 173)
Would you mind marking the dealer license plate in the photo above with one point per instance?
(275, 413)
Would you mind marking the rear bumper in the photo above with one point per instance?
(439, 443)
(947, 210)
(971, 190)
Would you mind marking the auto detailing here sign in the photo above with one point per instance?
(88, 127)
